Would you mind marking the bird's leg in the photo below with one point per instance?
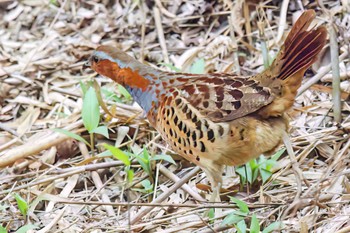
(214, 175)
(215, 196)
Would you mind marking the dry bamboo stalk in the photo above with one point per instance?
(335, 73)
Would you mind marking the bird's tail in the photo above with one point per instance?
(297, 54)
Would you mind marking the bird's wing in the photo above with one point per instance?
(223, 97)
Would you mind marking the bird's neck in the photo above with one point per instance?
(146, 96)
(141, 81)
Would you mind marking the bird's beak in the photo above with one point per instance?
(87, 64)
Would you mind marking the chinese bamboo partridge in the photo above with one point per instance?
(218, 119)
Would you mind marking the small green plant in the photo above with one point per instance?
(91, 117)
(22, 205)
(237, 219)
(250, 171)
(144, 159)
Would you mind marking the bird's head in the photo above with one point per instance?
(118, 66)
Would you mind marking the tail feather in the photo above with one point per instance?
(297, 54)
(302, 52)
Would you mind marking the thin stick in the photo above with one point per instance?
(160, 32)
(162, 197)
(335, 73)
(176, 179)
(283, 19)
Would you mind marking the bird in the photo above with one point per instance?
(218, 119)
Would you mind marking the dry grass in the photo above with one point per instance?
(43, 45)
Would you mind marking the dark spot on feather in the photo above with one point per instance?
(167, 122)
(200, 134)
(188, 114)
(190, 89)
(221, 130)
(206, 124)
(194, 135)
(180, 125)
(202, 146)
(228, 112)
(233, 83)
(190, 152)
(171, 111)
(218, 104)
(216, 114)
(219, 93)
(236, 104)
(197, 158)
(171, 133)
(217, 81)
(198, 125)
(188, 141)
(178, 101)
(184, 129)
(206, 104)
(195, 143)
(176, 119)
(236, 94)
(211, 135)
(241, 132)
(194, 119)
(203, 88)
(258, 88)
(179, 140)
(185, 108)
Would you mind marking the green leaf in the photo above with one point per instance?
(198, 67)
(119, 154)
(232, 219)
(83, 87)
(241, 227)
(249, 173)
(278, 154)
(276, 226)
(103, 130)
(26, 228)
(130, 175)
(3, 229)
(22, 204)
(147, 185)
(165, 157)
(265, 174)
(170, 66)
(143, 160)
(124, 92)
(91, 110)
(241, 171)
(211, 213)
(110, 95)
(241, 205)
(253, 164)
(72, 135)
(254, 225)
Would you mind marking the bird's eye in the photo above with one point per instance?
(95, 59)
